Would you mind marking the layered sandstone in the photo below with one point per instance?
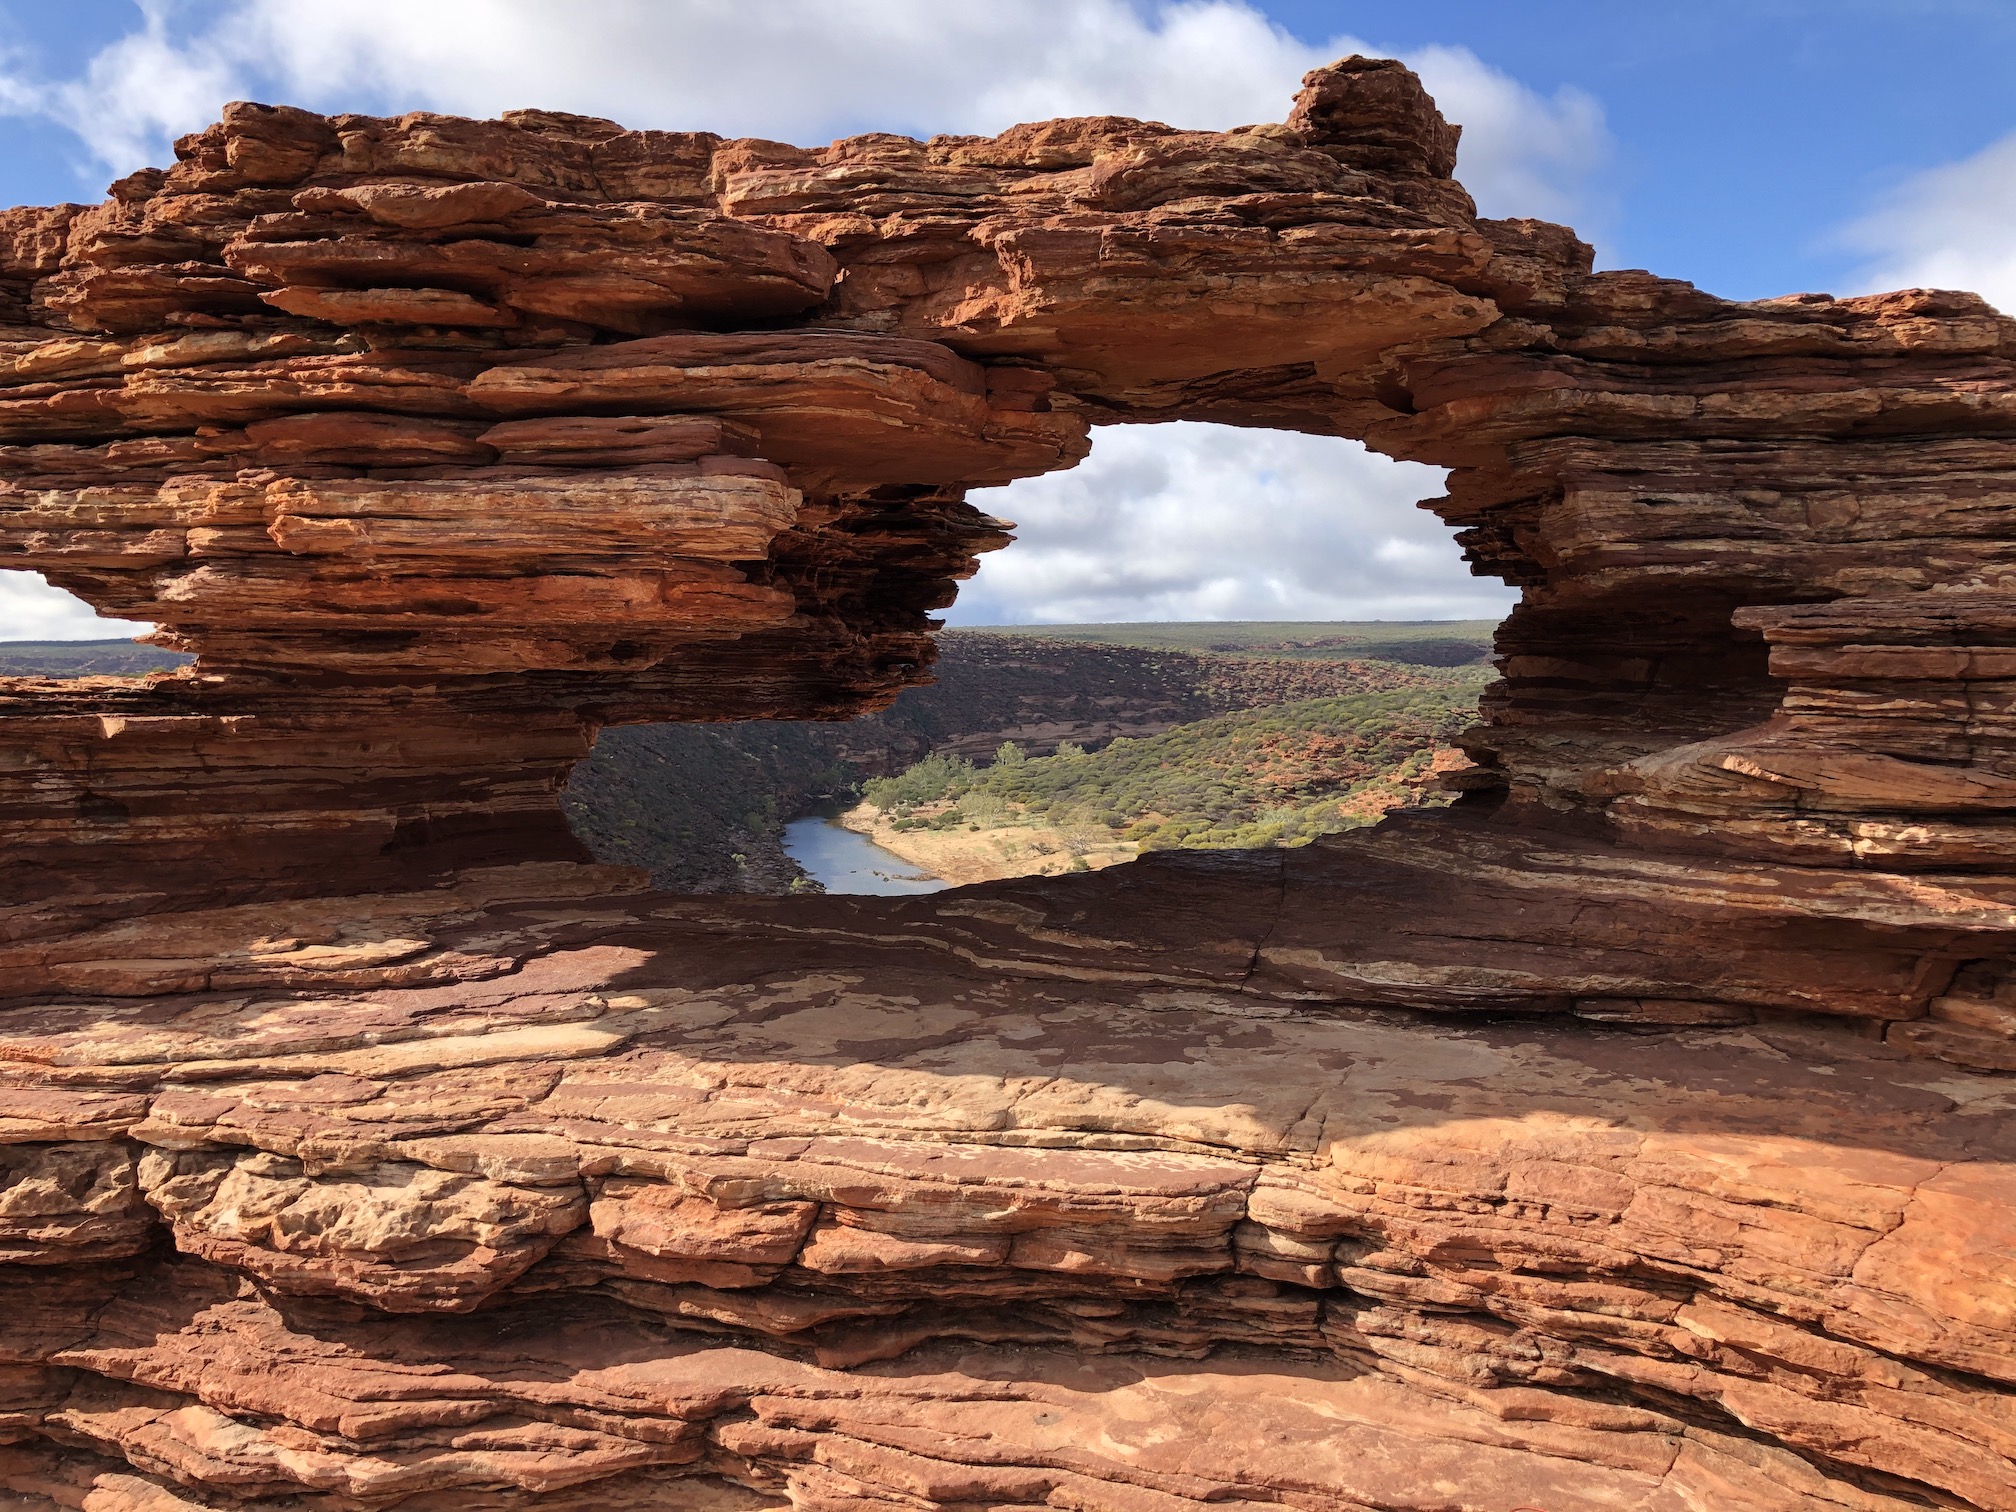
(565, 1207)
(369, 1150)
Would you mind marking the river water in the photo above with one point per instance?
(850, 863)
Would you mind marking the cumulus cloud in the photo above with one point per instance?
(1946, 228)
(136, 94)
(1189, 521)
(1521, 153)
(32, 610)
(801, 70)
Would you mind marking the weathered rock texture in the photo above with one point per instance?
(369, 1151)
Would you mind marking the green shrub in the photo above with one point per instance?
(937, 776)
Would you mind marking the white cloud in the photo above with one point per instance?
(1189, 521)
(1521, 153)
(801, 70)
(139, 93)
(32, 610)
(1946, 228)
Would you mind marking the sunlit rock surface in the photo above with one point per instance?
(1635, 1134)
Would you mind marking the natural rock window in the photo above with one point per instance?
(1284, 732)
(1632, 1132)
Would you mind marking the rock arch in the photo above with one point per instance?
(444, 443)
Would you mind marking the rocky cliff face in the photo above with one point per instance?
(367, 1149)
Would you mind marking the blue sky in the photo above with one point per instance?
(1755, 147)
(1746, 138)
(1748, 135)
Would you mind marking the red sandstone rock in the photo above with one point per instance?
(872, 1149)
(365, 1149)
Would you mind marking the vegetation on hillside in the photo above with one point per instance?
(703, 807)
(1270, 776)
(1432, 643)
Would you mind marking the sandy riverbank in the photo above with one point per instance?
(982, 855)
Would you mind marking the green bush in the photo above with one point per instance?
(937, 776)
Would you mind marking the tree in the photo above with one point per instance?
(1078, 830)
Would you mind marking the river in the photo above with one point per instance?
(846, 862)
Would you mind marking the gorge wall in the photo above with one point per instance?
(702, 807)
(1632, 1134)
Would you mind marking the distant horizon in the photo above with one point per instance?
(134, 640)
(1473, 619)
